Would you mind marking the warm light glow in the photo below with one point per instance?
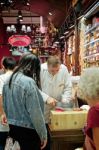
(50, 13)
(57, 42)
(28, 4)
(28, 29)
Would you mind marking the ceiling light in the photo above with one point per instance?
(28, 4)
(10, 1)
(19, 14)
(23, 28)
(8, 29)
(28, 29)
(1, 3)
(50, 13)
(57, 42)
(21, 19)
(12, 27)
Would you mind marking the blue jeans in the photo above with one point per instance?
(3, 137)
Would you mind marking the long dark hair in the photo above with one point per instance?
(29, 65)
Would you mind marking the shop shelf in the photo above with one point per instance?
(90, 56)
(91, 29)
(91, 42)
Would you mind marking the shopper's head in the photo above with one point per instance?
(88, 87)
(53, 63)
(8, 63)
(29, 65)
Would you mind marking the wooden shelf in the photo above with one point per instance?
(91, 29)
(93, 11)
(93, 55)
(91, 42)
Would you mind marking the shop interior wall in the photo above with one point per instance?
(4, 48)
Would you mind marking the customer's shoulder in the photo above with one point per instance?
(27, 79)
(22, 80)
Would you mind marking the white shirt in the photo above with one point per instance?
(58, 86)
(3, 79)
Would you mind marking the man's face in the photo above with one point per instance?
(53, 69)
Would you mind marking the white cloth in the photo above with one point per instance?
(58, 86)
(3, 79)
(75, 79)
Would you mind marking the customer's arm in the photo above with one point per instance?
(35, 106)
(1, 108)
(2, 113)
(67, 94)
(96, 137)
(1, 104)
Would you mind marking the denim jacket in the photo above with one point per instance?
(23, 104)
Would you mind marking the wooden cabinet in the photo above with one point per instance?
(66, 140)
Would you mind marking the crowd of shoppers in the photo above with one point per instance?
(30, 90)
(26, 100)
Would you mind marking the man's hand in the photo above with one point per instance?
(43, 144)
(3, 120)
(51, 101)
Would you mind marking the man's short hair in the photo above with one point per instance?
(9, 63)
(53, 60)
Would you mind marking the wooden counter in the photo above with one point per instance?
(66, 140)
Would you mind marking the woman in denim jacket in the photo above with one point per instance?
(24, 106)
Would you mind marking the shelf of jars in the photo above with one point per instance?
(91, 43)
(91, 28)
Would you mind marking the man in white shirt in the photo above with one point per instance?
(8, 65)
(56, 86)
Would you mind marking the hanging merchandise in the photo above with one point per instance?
(70, 53)
(19, 40)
